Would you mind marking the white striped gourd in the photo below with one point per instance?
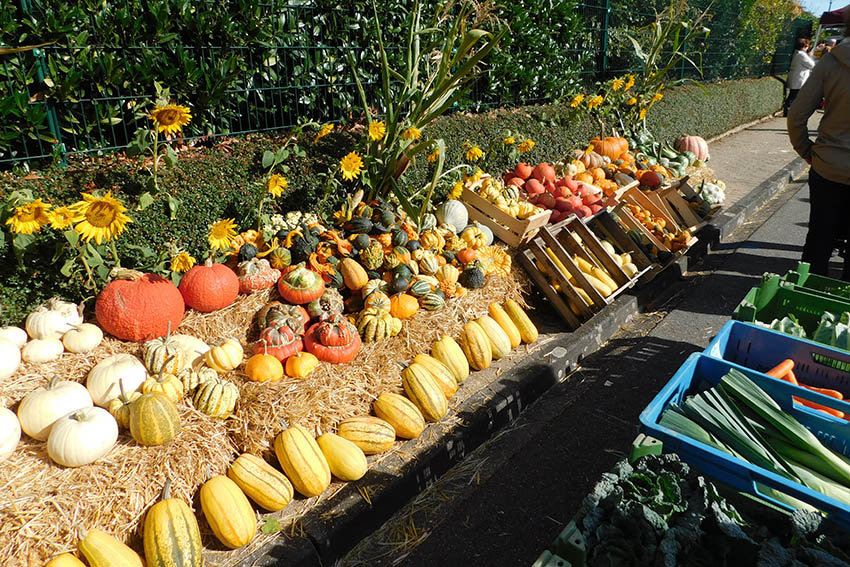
(373, 435)
(424, 391)
(401, 413)
(302, 460)
(261, 482)
(500, 344)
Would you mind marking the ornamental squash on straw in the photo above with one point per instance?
(447, 351)
(526, 328)
(476, 346)
(498, 314)
(345, 459)
(172, 537)
(104, 550)
(373, 435)
(261, 482)
(302, 461)
(228, 512)
(401, 414)
(500, 344)
(440, 372)
(424, 391)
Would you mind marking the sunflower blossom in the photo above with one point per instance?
(99, 218)
(377, 130)
(474, 153)
(182, 262)
(326, 129)
(617, 84)
(170, 118)
(595, 101)
(642, 114)
(351, 166)
(630, 82)
(433, 156)
(61, 218)
(657, 97)
(411, 133)
(29, 218)
(577, 100)
(222, 234)
(509, 141)
(277, 183)
(456, 191)
(632, 101)
(525, 146)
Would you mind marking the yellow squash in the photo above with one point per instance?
(302, 460)
(476, 346)
(447, 351)
(261, 482)
(527, 330)
(104, 550)
(373, 435)
(228, 512)
(172, 537)
(440, 372)
(501, 317)
(424, 391)
(401, 413)
(346, 460)
(500, 344)
(65, 560)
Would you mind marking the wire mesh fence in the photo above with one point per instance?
(85, 96)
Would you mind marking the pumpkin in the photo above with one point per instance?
(695, 144)
(209, 286)
(137, 307)
(373, 435)
(345, 459)
(53, 319)
(336, 341)
(432, 240)
(448, 274)
(452, 212)
(10, 358)
(263, 368)
(104, 550)
(424, 391)
(261, 482)
(374, 285)
(432, 301)
(301, 364)
(40, 409)
(466, 255)
(216, 397)
(153, 419)
(324, 308)
(401, 414)
(377, 300)
(102, 381)
(82, 437)
(500, 343)
(403, 306)
(256, 274)
(375, 325)
(14, 335)
(428, 264)
(584, 177)
(65, 560)
(10, 433)
(596, 173)
(163, 355)
(300, 285)
(293, 316)
(119, 407)
(302, 461)
(191, 378)
(42, 350)
(172, 537)
(353, 274)
(526, 328)
(82, 338)
(590, 159)
(224, 356)
(447, 351)
(279, 341)
(476, 346)
(473, 276)
(610, 146)
(194, 349)
(228, 512)
(501, 317)
(165, 383)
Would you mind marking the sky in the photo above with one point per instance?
(818, 7)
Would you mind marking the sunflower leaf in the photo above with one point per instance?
(145, 200)
(268, 159)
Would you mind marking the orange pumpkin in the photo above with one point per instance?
(584, 177)
(579, 165)
(597, 173)
(301, 364)
(403, 306)
(466, 255)
(264, 368)
(660, 170)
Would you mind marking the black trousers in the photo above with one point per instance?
(829, 218)
(792, 94)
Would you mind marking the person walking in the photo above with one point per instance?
(828, 155)
(801, 65)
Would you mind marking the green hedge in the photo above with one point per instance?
(225, 180)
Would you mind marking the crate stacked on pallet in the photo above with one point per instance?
(510, 230)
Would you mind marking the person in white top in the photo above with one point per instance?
(801, 65)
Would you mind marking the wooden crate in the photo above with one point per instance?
(654, 204)
(686, 216)
(513, 232)
(608, 228)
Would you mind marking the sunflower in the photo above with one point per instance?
(326, 129)
(617, 84)
(61, 218)
(630, 82)
(182, 262)
(474, 153)
(595, 101)
(657, 97)
(432, 157)
(170, 118)
(101, 218)
(509, 140)
(577, 100)
(351, 165)
(277, 183)
(642, 114)
(377, 130)
(222, 234)
(29, 218)
(411, 133)
(456, 191)
(525, 146)
(632, 101)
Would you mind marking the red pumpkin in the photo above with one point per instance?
(335, 341)
(278, 340)
(650, 179)
(694, 144)
(209, 287)
(139, 307)
(256, 274)
(300, 285)
(522, 170)
(543, 172)
(293, 316)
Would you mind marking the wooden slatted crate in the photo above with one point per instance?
(512, 231)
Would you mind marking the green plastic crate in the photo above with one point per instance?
(801, 278)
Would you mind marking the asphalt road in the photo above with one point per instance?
(512, 497)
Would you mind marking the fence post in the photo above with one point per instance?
(603, 68)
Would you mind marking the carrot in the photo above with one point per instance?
(791, 377)
(826, 392)
(782, 369)
(819, 407)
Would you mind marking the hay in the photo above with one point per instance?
(42, 503)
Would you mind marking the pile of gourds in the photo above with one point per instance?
(674, 240)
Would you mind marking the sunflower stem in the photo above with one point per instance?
(155, 160)
(115, 253)
(91, 283)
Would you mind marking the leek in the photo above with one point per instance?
(821, 483)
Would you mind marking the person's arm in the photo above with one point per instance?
(807, 101)
(807, 61)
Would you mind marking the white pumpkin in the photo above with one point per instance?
(10, 433)
(14, 335)
(194, 349)
(10, 358)
(42, 407)
(53, 319)
(42, 350)
(82, 338)
(102, 381)
(453, 212)
(82, 437)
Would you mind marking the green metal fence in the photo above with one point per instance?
(298, 72)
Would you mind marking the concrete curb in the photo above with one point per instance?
(335, 525)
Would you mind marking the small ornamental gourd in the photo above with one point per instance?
(440, 372)
(225, 356)
(153, 419)
(216, 398)
(526, 328)
(423, 390)
(82, 437)
(53, 319)
(209, 286)
(473, 237)
(104, 550)
(120, 406)
(447, 351)
(373, 435)
(192, 377)
(377, 300)
(336, 341)
(280, 258)
(401, 413)
(194, 349)
(300, 285)
(448, 274)
(428, 264)
(432, 240)
(500, 316)
(301, 364)
(500, 344)
(65, 560)
(346, 460)
(452, 212)
(373, 286)
(137, 307)
(372, 256)
(164, 355)
(102, 381)
(293, 316)
(42, 350)
(432, 301)
(473, 276)
(256, 274)
(476, 346)
(324, 308)
(353, 274)
(403, 306)
(278, 340)
(40, 408)
(14, 335)
(168, 384)
(261, 482)
(172, 537)
(302, 461)
(264, 368)
(228, 512)
(10, 433)
(82, 338)
(419, 288)
(376, 325)
(10, 358)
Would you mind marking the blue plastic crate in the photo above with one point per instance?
(746, 477)
(761, 349)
